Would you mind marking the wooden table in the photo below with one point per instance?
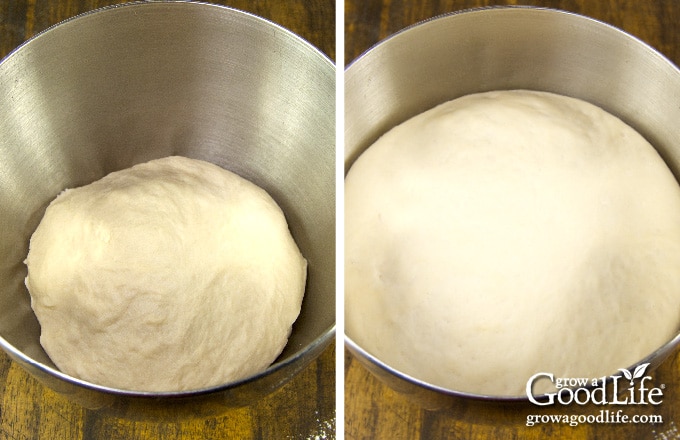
(373, 411)
(304, 408)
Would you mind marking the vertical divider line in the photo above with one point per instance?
(339, 218)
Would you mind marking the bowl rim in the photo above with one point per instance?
(175, 3)
(318, 344)
(520, 7)
(657, 356)
(302, 355)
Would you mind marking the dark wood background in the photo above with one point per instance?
(373, 411)
(303, 408)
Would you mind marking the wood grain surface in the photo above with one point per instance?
(302, 409)
(372, 410)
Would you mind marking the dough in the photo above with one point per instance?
(171, 275)
(508, 233)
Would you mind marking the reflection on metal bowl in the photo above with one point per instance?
(126, 84)
(506, 48)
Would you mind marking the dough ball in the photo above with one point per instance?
(508, 233)
(171, 275)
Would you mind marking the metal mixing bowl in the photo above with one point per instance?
(130, 83)
(497, 49)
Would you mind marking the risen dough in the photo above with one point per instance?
(171, 275)
(508, 233)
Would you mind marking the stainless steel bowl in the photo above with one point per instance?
(507, 48)
(130, 83)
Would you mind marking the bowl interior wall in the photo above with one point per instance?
(502, 49)
(110, 89)
(511, 48)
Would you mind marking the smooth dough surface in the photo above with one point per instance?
(171, 275)
(508, 233)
